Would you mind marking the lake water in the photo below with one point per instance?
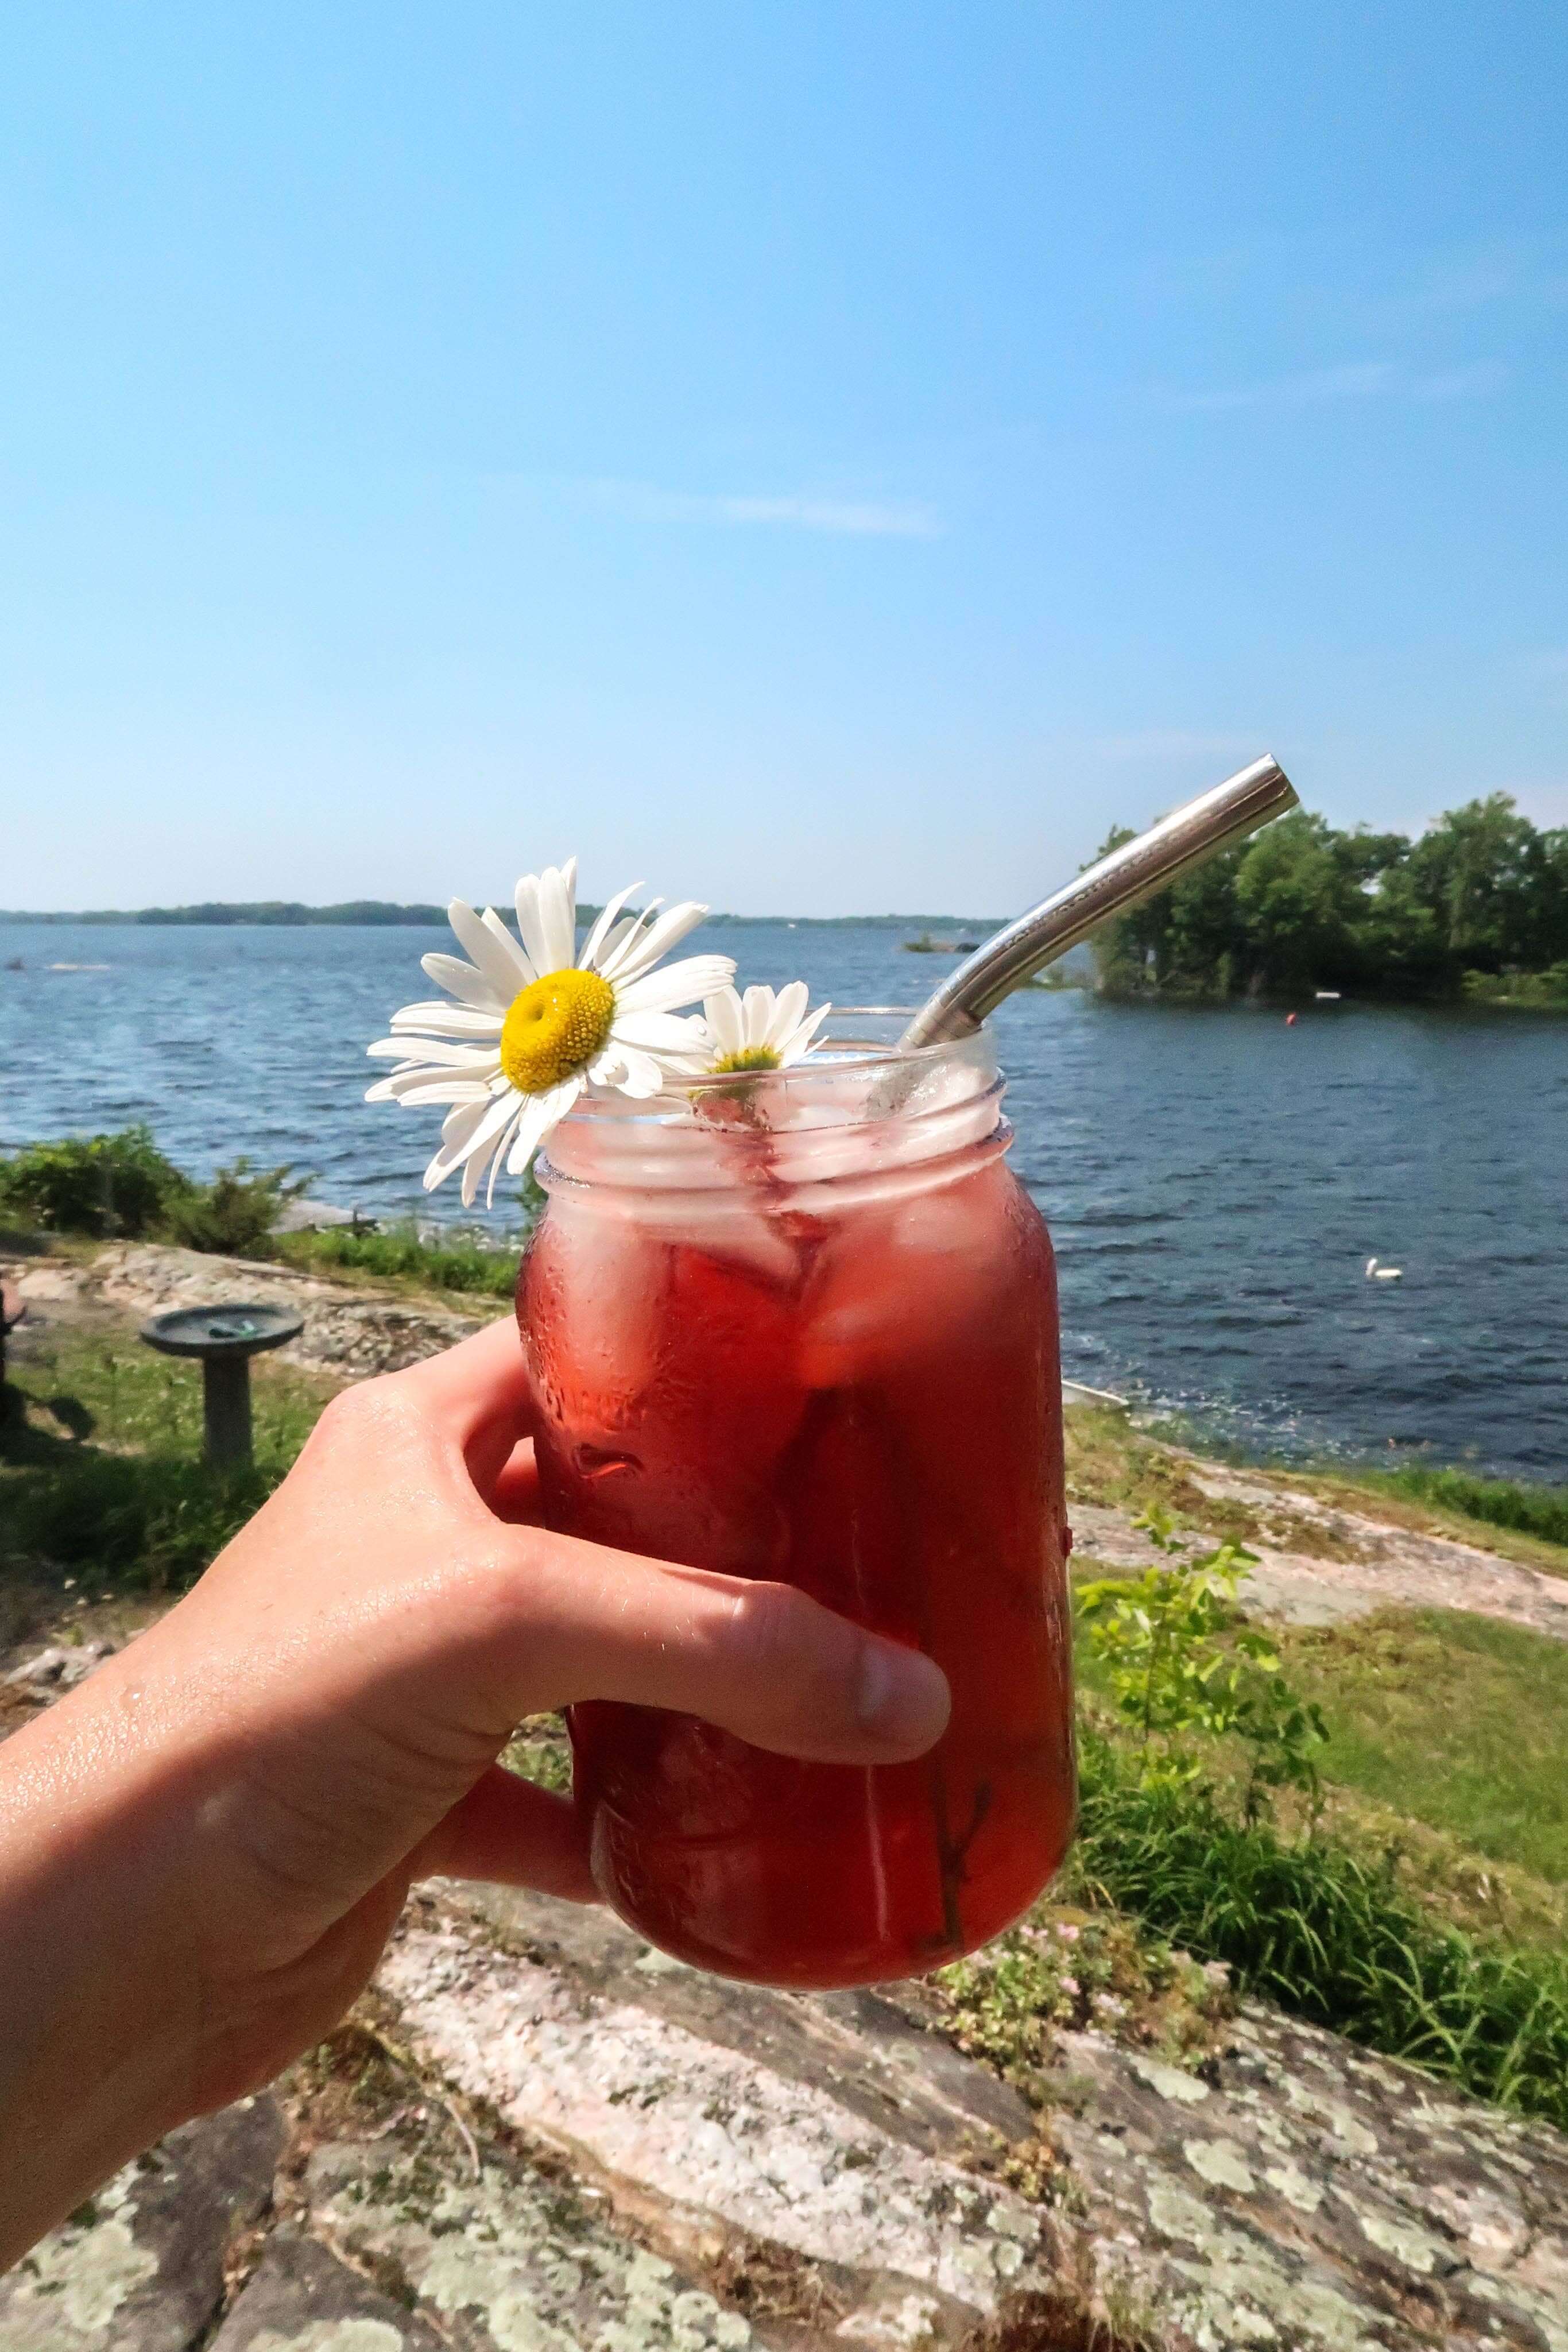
(1215, 1181)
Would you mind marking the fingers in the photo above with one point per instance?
(758, 1659)
(479, 1390)
(515, 1491)
(512, 1831)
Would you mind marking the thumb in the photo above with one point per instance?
(569, 1620)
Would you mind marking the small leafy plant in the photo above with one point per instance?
(1181, 1668)
(106, 1186)
(235, 1214)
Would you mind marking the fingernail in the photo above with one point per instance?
(904, 1697)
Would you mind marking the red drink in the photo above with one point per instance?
(847, 1382)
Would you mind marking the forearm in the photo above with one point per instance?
(98, 2014)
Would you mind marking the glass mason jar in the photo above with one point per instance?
(801, 1325)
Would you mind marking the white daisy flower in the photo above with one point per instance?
(532, 1025)
(759, 1031)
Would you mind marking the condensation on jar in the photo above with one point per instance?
(804, 1328)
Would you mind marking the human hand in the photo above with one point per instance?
(203, 1849)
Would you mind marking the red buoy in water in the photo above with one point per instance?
(1290, 1020)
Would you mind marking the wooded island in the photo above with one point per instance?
(1475, 907)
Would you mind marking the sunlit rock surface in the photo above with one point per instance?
(140, 2267)
(349, 1332)
(545, 2137)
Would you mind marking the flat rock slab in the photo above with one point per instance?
(139, 2268)
(348, 1333)
(1374, 1565)
(300, 2298)
(598, 2147)
(512, 2261)
(1388, 1566)
(1297, 2192)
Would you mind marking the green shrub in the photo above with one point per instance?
(1311, 1926)
(101, 1185)
(234, 1215)
(1547, 991)
(1181, 1669)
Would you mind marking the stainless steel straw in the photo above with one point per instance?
(1180, 841)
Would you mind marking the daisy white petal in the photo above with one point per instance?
(659, 1033)
(544, 1112)
(557, 914)
(503, 1145)
(788, 1007)
(722, 1014)
(644, 1077)
(439, 1020)
(594, 944)
(615, 938)
(469, 1076)
(801, 1043)
(497, 959)
(460, 981)
(428, 1086)
(623, 945)
(674, 984)
(449, 1050)
(547, 916)
(482, 1155)
(516, 955)
(455, 1129)
(469, 1139)
(637, 956)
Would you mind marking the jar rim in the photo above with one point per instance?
(828, 1055)
(855, 1103)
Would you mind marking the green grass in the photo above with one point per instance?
(1448, 1737)
(1459, 1722)
(102, 1468)
(1327, 1934)
(400, 1254)
(1111, 1463)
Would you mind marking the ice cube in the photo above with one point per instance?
(901, 1281)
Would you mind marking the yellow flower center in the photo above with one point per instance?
(554, 1027)
(750, 1057)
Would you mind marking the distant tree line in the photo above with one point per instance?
(266, 911)
(1477, 906)
(291, 912)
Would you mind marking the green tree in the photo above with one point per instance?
(1481, 870)
(1299, 907)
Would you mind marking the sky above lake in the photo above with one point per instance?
(814, 457)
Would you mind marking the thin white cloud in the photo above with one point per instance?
(1356, 380)
(1465, 278)
(1471, 382)
(794, 511)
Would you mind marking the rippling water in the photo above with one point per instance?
(1215, 1181)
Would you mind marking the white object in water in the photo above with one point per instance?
(1375, 1273)
(1326, 996)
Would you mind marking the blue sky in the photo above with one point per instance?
(814, 457)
